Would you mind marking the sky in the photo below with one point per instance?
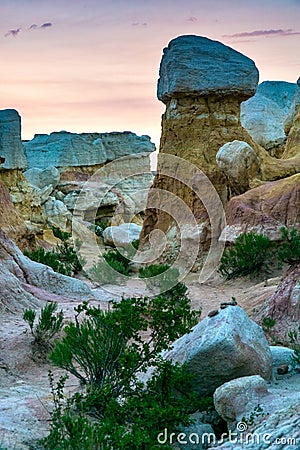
(92, 65)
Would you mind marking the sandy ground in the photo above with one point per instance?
(25, 398)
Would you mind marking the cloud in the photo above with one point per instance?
(13, 33)
(138, 24)
(32, 27)
(192, 19)
(277, 32)
(46, 25)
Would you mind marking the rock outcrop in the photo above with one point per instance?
(25, 283)
(292, 128)
(283, 306)
(264, 114)
(203, 83)
(240, 164)
(64, 149)
(11, 221)
(265, 209)
(11, 151)
(223, 347)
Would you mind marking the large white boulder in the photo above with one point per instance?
(122, 235)
(239, 162)
(223, 347)
(42, 178)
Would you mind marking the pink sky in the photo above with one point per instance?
(92, 65)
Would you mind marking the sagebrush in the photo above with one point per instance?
(108, 352)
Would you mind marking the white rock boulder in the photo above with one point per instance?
(121, 235)
(239, 397)
(42, 178)
(264, 114)
(223, 347)
(239, 162)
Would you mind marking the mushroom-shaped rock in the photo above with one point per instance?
(198, 66)
(239, 162)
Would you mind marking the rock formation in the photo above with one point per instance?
(25, 283)
(203, 82)
(264, 114)
(63, 149)
(265, 209)
(11, 151)
(283, 306)
(240, 164)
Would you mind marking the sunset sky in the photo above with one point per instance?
(92, 65)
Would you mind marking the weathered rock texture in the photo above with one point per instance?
(63, 149)
(221, 348)
(203, 92)
(11, 221)
(264, 114)
(237, 398)
(240, 164)
(283, 306)
(11, 151)
(196, 73)
(292, 148)
(265, 209)
(24, 282)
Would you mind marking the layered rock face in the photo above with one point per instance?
(25, 283)
(59, 166)
(63, 149)
(203, 83)
(265, 209)
(11, 151)
(264, 114)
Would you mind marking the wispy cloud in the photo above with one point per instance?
(266, 33)
(46, 25)
(138, 24)
(192, 19)
(32, 27)
(13, 33)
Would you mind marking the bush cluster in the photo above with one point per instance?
(107, 352)
(255, 253)
(48, 325)
(64, 259)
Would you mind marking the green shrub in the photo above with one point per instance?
(105, 350)
(294, 338)
(289, 250)
(251, 254)
(163, 276)
(110, 269)
(64, 259)
(49, 324)
(60, 234)
(117, 261)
